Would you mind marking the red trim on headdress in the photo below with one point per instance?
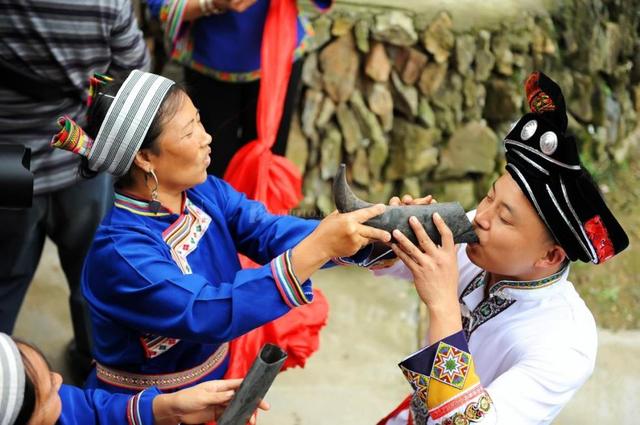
(599, 237)
(539, 101)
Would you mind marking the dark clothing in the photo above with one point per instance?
(69, 217)
(228, 113)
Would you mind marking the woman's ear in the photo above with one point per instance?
(143, 160)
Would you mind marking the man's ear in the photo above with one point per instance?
(143, 160)
(554, 256)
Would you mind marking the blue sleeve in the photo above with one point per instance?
(129, 277)
(155, 6)
(261, 235)
(323, 5)
(99, 407)
(257, 233)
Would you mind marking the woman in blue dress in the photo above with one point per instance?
(163, 281)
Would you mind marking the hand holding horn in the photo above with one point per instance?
(397, 217)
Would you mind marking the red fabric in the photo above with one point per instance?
(402, 406)
(297, 333)
(599, 236)
(277, 183)
(254, 169)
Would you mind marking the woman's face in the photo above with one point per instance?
(184, 149)
(48, 404)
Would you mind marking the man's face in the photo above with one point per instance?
(512, 235)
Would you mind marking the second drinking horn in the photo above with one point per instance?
(397, 217)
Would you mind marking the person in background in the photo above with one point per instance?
(48, 50)
(30, 393)
(219, 43)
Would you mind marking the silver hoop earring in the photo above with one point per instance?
(154, 205)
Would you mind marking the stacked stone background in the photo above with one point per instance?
(412, 106)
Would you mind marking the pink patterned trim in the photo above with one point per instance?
(164, 381)
(456, 403)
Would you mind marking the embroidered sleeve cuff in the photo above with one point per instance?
(292, 291)
(140, 407)
(445, 382)
(171, 17)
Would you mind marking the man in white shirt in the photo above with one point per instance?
(510, 340)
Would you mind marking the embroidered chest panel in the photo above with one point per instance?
(488, 308)
(185, 233)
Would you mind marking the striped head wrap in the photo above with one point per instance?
(124, 126)
(12, 380)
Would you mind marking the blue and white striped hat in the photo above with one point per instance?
(12, 380)
(127, 121)
(124, 126)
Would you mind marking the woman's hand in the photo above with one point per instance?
(337, 235)
(435, 273)
(342, 235)
(202, 403)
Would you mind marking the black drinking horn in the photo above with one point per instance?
(397, 217)
(254, 386)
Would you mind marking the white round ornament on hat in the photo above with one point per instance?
(548, 143)
(528, 130)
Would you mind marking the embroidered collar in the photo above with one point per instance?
(140, 206)
(528, 284)
(481, 279)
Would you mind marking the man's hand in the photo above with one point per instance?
(409, 200)
(435, 274)
(396, 201)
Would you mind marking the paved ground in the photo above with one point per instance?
(353, 379)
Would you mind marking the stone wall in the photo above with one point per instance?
(413, 106)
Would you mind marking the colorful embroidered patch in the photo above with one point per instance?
(418, 381)
(539, 101)
(419, 412)
(71, 137)
(451, 365)
(154, 345)
(599, 237)
(474, 412)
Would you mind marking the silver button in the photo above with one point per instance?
(548, 143)
(529, 130)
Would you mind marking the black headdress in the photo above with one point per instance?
(544, 161)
